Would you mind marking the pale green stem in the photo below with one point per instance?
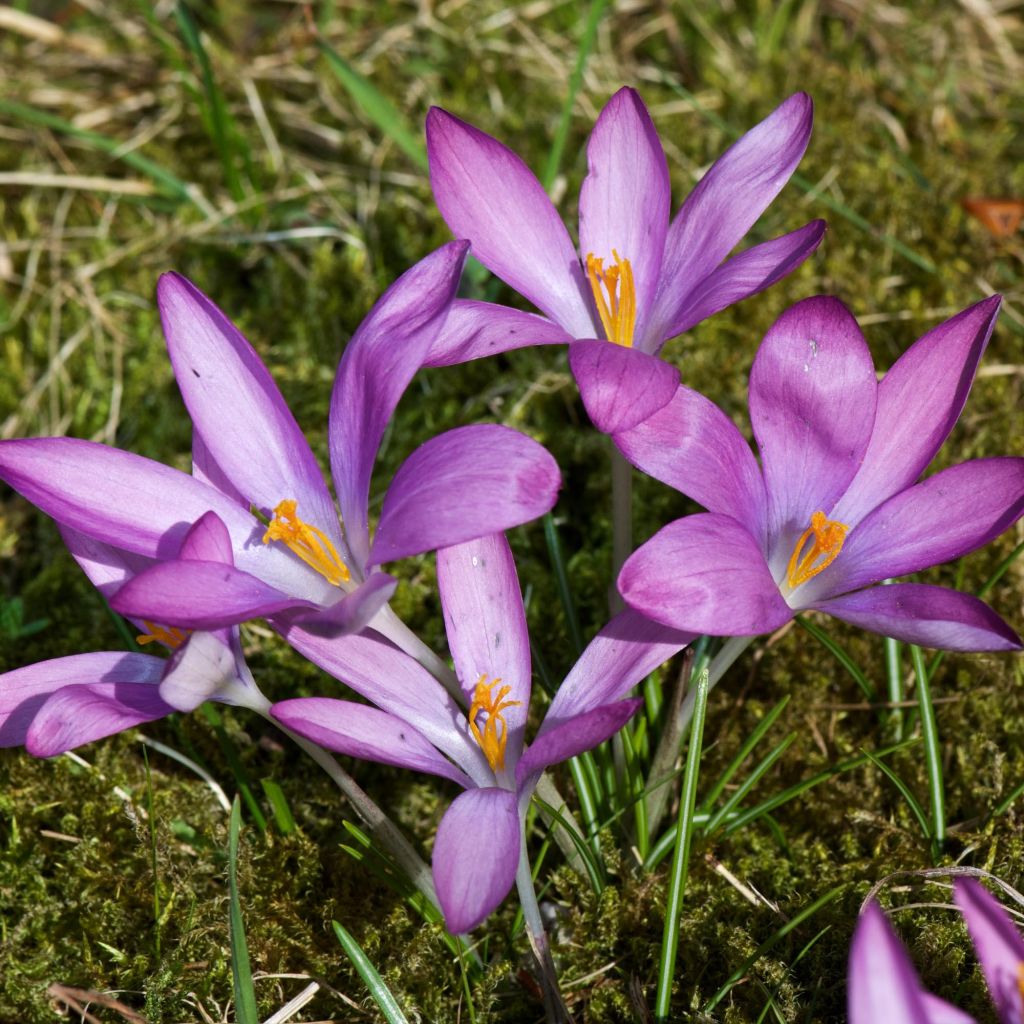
(388, 624)
(622, 523)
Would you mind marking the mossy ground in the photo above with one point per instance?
(301, 214)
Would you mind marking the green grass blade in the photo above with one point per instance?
(634, 792)
(841, 656)
(590, 863)
(230, 751)
(932, 748)
(912, 801)
(374, 982)
(894, 680)
(748, 783)
(283, 816)
(376, 106)
(562, 582)
(241, 970)
(681, 857)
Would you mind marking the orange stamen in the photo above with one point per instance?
(312, 545)
(829, 535)
(171, 636)
(492, 742)
(614, 296)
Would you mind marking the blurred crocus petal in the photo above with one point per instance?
(752, 271)
(938, 1011)
(200, 667)
(237, 408)
(704, 574)
(379, 361)
(625, 198)
(465, 483)
(925, 615)
(355, 611)
(91, 711)
(24, 691)
(488, 196)
(477, 329)
(620, 386)
(812, 405)
(999, 946)
(728, 200)
(919, 401)
(584, 732)
(691, 445)
(364, 732)
(476, 854)
(882, 984)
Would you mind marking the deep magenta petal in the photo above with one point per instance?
(350, 614)
(476, 854)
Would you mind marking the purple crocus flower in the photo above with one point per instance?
(478, 742)
(999, 946)
(833, 507)
(883, 985)
(637, 279)
(291, 560)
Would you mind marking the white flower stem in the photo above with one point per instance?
(388, 624)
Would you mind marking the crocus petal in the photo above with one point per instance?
(691, 445)
(620, 387)
(948, 515)
(487, 195)
(704, 574)
(938, 1011)
(477, 329)
(380, 672)
(106, 566)
(91, 711)
(882, 984)
(919, 401)
(573, 737)
(207, 541)
(625, 651)
(465, 483)
(206, 470)
(727, 201)
(364, 732)
(200, 667)
(378, 363)
(476, 854)
(625, 199)
(24, 691)
(352, 613)
(200, 595)
(812, 403)
(925, 615)
(237, 408)
(998, 944)
(752, 271)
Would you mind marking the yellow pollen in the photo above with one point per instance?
(492, 742)
(169, 635)
(1020, 980)
(614, 296)
(313, 546)
(829, 535)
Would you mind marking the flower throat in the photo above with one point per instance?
(806, 562)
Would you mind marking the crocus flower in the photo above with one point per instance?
(478, 742)
(999, 946)
(833, 507)
(291, 559)
(637, 280)
(883, 985)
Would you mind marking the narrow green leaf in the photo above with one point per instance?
(279, 805)
(932, 749)
(593, 868)
(912, 801)
(562, 582)
(748, 783)
(374, 982)
(841, 656)
(241, 970)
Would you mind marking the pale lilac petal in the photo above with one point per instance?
(197, 670)
(24, 691)
(726, 203)
(380, 672)
(379, 361)
(476, 854)
(477, 329)
(206, 470)
(620, 387)
(465, 483)
(237, 408)
(91, 711)
(812, 403)
(352, 613)
(938, 1011)
(945, 516)
(919, 401)
(998, 944)
(207, 541)
(882, 984)
(584, 732)
(625, 200)
(486, 626)
(704, 574)
(691, 445)
(364, 732)
(752, 271)
(488, 196)
(106, 566)
(200, 595)
(626, 650)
